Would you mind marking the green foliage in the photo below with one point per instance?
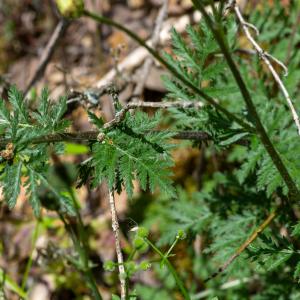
(270, 253)
(232, 204)
(132, 151)
(24, 159)
(287, 144)
(198, 61)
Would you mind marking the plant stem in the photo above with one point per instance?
(30, 260)
(90, 136)
(276, 158)
(177, 279)
(210, 100)
(81, 241)
(79, 247)
(8, 282)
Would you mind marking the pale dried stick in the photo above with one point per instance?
(154, 39)
(137, 56)
(266, 58)
(115, 227)
(47, 53)
(140, 104)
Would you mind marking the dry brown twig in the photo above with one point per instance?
(47, 53)
(266, 57)
(137, 56)
(154, 39)
(140, 104)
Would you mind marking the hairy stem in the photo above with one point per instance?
(115, 227)
(265, 57)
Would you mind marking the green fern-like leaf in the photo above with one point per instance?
(31, 185)
(12, 183)
(269, 253)
(132, 152)
(27, 159)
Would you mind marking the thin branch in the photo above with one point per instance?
(90, 136)
(164, 105)
(140, 104)
(154, 40)
(266, 58)
(253, 236)
(47, 53)
(138, 55)
(115, 227)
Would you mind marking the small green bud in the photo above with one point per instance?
(142, 232)
(181, 235)
(131, 268)
(144, 265)
(70, 9)
(140, 244)
(109, 266)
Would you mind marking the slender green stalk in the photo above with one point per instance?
(8, 282)
(177, 279)
(170, 249)
(83, 258)
(30, 260)
(197, 90)
(80, 239)
(276, 158)
(131, 255)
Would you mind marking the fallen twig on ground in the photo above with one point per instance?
(137, 56)
(47, 53)
(149, 60)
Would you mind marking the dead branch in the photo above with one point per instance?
(266, 58)
(149, 60)
(47, 53)
(137, 56)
